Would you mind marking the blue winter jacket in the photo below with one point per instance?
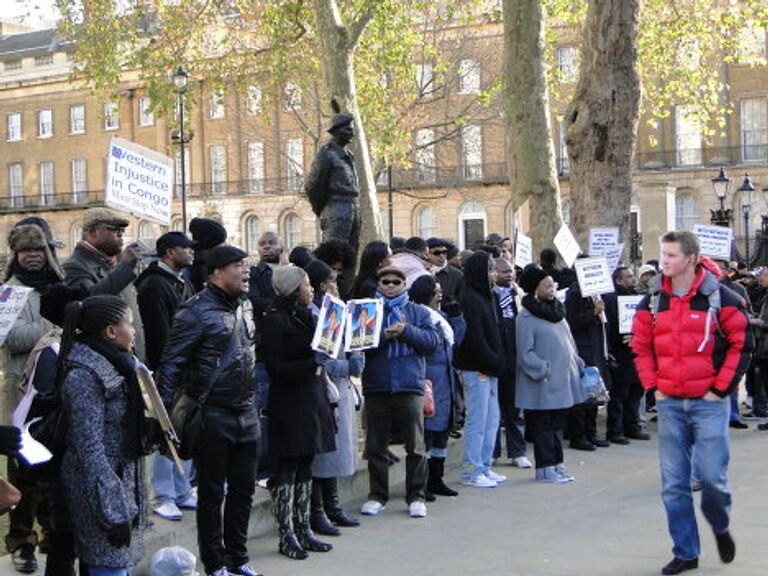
(404, 374)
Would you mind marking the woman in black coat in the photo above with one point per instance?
(300, 418)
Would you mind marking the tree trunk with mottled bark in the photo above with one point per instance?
(602, 119)
(337, 45)
(530, 150)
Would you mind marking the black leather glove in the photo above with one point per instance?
(120, 536)
(10, 440)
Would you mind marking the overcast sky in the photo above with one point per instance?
(34, 13)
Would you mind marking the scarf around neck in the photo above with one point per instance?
(40, 281)
(552, 311)
(394, 313)
(110, 260)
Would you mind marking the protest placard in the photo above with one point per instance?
(12, 300)
(523, 250)
(329, 330)
(715, 241)
(594, 276)
(365, 318)
(613, 256)
(601, 239)
(627, 307)
(567, 245)
(139, 180)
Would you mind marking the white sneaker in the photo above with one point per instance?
(521, 462)
(169, 511)
(372, 508)
(221, 572)
(190, 503)
(417, 509)
(480, 481)
(498, 478)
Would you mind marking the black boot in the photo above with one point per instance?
(332, 507)
(435, 484)
(282, 499)
(301, 503)
(317, 518)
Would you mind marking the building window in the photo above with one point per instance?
(177, 171)
(565, 210)
(754, 129)
(563, 163)
(218, 155)
(253, 100)
(425, 222)
(752, 45)
(10, 65)
(256, 167)
(687, 137)
(44, 60)
(425, 155)
(472, 152)
(291, 97)
(567, 63)
(45, 123)
(79, 180)
(425, 79)
(469, 77)
(16, 184)
(177, 225)
(146, 233)
(77, 235)
(47, 189)
(251, 234)
(472, 221)
(291, 231)
(77, 119)
(294, 163)
(13, 123)
(146, 117)
(216, 104)
(686, 212)
(111, 116)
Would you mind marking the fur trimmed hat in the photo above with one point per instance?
(32, 237)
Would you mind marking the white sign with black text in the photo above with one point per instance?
(523, 250)
(567, 245)
(12, 300)
(715, 241)
(601, 239)
(594, 276)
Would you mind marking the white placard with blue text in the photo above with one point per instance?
(715, 241)
(523, 250)
(627, 306)
(139, 180)
(594, 276)
(602, 239)
(12, 300)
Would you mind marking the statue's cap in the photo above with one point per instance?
(340, 120)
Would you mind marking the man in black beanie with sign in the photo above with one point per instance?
(209, 356)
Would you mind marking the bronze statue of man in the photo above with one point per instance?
(332, 185)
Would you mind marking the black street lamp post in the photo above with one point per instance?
(180, 83)
(746, 190)
(721, 216)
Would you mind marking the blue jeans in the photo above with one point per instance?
(167, 484)
(107, 571)
(481, 396)
(683, 424)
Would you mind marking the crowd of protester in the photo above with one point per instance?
(502, 350)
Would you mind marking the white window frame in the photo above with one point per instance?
(687, 211)
(469, 76)
(563, 162)
(111, 112)
(217, 154)
(425, 159)
(216, 108)
(256, 167)
(45, 123)
(16, 184)
(253, 97)
(47, 173)
(77, 119)
(79, 174)
(294, 163)
(13, 127)
(425, 222)
(471, 211)
(291, 230)
(753, 132)
(472, 152)
(251, 233)
(687, 133)
(146, 117)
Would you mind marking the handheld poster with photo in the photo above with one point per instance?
(330, 326)
(627, 307)
(364, 321)
(12, 300)
(594, 276)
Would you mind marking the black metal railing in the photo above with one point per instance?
(693, 158)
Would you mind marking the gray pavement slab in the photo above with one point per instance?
(609, 522)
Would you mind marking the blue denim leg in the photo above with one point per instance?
(676, 436)
(476, 398)
(734, 403)
(107, 571)
(492, 418)
(168, 485)
(710, 421)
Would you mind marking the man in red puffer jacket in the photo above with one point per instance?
(693, 345)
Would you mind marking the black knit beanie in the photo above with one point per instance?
(207, 233)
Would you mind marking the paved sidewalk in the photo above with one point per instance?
(609, 522)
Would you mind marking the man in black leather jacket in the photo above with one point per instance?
(210, 354)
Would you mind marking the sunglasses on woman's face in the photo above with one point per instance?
(391, 282)
(439, 252)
